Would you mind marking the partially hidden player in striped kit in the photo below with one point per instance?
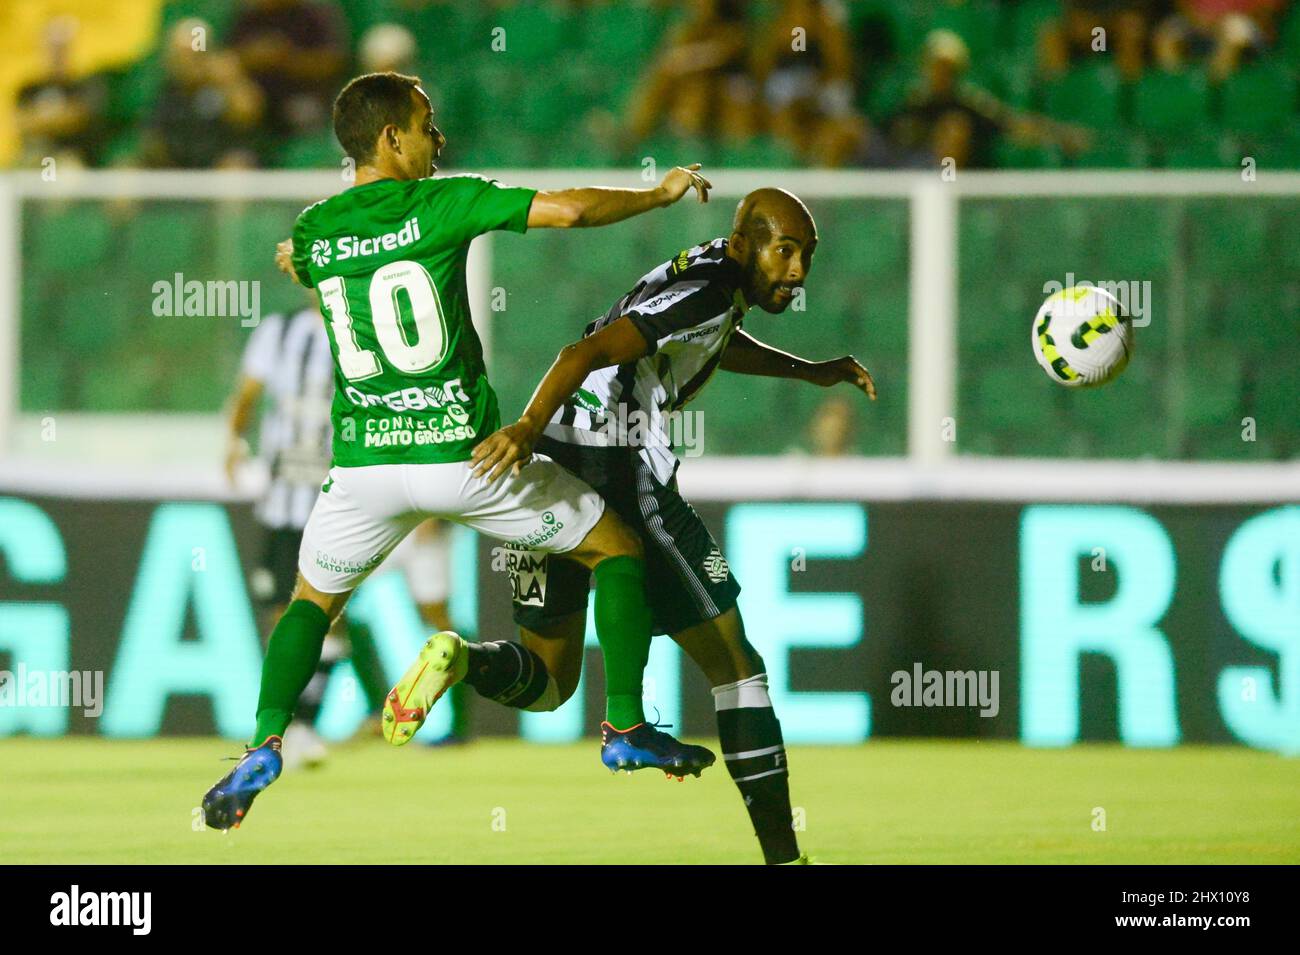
(287, 371)
(604, 411)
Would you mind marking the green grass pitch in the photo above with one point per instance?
(497, 801)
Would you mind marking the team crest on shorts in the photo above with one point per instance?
(715, 565)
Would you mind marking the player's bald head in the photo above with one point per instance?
(773, 238)
(769, 213)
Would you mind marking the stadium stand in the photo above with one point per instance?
(550, 98)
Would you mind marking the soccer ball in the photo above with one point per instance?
(1082, 337)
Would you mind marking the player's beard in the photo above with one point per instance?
(762, 289)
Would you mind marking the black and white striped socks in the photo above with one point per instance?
(755, 756)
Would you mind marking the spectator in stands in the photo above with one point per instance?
(831, 431)
(1214, 34)
(208, 109)
(946, 117)
(58, 115)
(296, 52)
(387, 47)
(803, 64)
(700, 81)
(1091, 28)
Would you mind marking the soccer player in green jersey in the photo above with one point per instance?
(412, 399)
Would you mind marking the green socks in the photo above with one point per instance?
(291, 658)
(622, 626)
(623, 629)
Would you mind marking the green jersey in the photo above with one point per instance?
(388, 261)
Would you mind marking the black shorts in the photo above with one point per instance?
(688, 580)
(273, 578)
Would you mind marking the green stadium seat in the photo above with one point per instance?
(255, 232)
(1212, 389)
(1204, 321)
(1112, 416)
(1028, 19)
(1279, 150)
(733, 413)
(1273, 400)
(1014, 79)
(668, 150)
(909, 24)
(1203, 149)
(763, 152)
(364, 14)
(163, 239)
(94, 318)
(1113, 149)
(313, 151)
(1011, 155)
(1289, 35)
(44, 381)
(502, 148)
(1223, 442)
(579, 150)
(1287, 216)
(1008, 396)
(1168, 104)
(623, 33)
(133, 91)
(1253, 318)
(73, 239)
(979, 238)
(890, 91)
(879, 323)
(536, 32)
(994, 317)
(1229, 237)
(1258, 99)
(1049, 238)
(121, 149)
(883, 238)
(1142, 248)
(126, 379)
(1087, 95)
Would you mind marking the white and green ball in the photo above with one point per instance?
(1082, 337)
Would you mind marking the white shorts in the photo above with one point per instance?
(425, 560)
(362, 513)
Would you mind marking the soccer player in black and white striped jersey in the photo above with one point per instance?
(603, 411)
(287, 360)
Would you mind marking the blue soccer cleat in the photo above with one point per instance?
(645, 747)
(225, 806)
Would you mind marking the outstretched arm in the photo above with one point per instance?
(509, 449)
(284, 259)
(239, 415)
(746, 355)
(575, 208)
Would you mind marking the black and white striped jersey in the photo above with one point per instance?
(687, 309)
(290, 356)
